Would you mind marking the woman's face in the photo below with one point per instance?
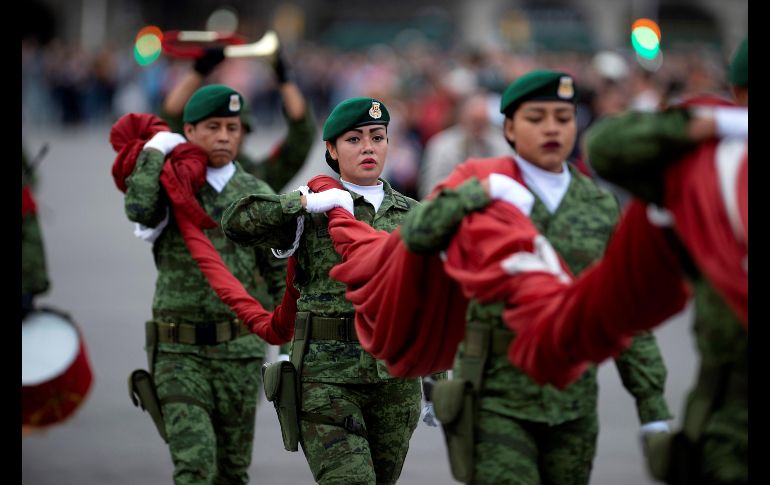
(361, 153)
(544, 132)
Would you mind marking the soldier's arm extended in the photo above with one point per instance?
(290, 154)
(266, 220)
(145, 200)
(633, 149)
(430, 226)
(643, 374)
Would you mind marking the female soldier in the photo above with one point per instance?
(356, 420)
(526, 433)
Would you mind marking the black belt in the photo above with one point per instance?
(200, 333)
(333, 328)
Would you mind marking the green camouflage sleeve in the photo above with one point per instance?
(34, 273)
(429, 226)
(265, 220)
(631, 150)
(643, 374)
(273, 270)
(288, 157)
(145, 200)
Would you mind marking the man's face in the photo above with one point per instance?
(220, 138)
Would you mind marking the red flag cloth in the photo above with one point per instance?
(410, 309)
(127, 137)
(701, 214)
(635, 286)
(28, 205)
(408, 312)
(182, 176)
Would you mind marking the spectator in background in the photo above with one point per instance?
(473, 136)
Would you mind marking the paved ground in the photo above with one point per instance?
(104, 277)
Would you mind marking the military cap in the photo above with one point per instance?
(212, 100)
(739, 67)
(354, 112)
(539, 85)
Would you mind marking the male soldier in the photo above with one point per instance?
(287, 157)
(524, 432)
(713, 445)
(205, 365)
(34, 273)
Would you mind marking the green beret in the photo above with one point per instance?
(354, 112)
(538, 85)
(739, 67)
(210, 101)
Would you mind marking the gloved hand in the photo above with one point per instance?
(27, 304)
(281, 68)
(429, 416)
(164, 141)
(209, 60)
(502, 187)
(329, 199)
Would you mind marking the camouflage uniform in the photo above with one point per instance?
(527, 433)
(34, 273)
(632, 151)
(208, 392)
(339, 379)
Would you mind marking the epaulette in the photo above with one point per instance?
(400, 202)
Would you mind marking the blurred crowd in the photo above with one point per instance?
(428, 88)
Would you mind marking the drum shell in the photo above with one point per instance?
(58, 398)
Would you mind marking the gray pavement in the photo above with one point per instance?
(104, 277)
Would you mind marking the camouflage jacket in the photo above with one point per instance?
(270, 221)
(182, 293)
(285, 160)
(579, 230)
(34, 271)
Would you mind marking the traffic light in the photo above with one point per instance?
(645, 38)
(147, 46)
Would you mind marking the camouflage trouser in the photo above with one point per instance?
(209, 407)
(516, 452)
(389, 412)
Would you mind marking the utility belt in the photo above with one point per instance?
(209, 333)
(141, 387)
(333, 328)
(283, 380)
(456, 401)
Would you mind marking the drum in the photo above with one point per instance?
(55, 370)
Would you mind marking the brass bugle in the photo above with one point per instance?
(264, 47)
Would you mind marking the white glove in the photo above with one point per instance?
(654, 427)
(428, 416)
(329, 199)
(502, 187)
(283, 357)
(165, 141)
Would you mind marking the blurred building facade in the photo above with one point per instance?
(518, 24)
